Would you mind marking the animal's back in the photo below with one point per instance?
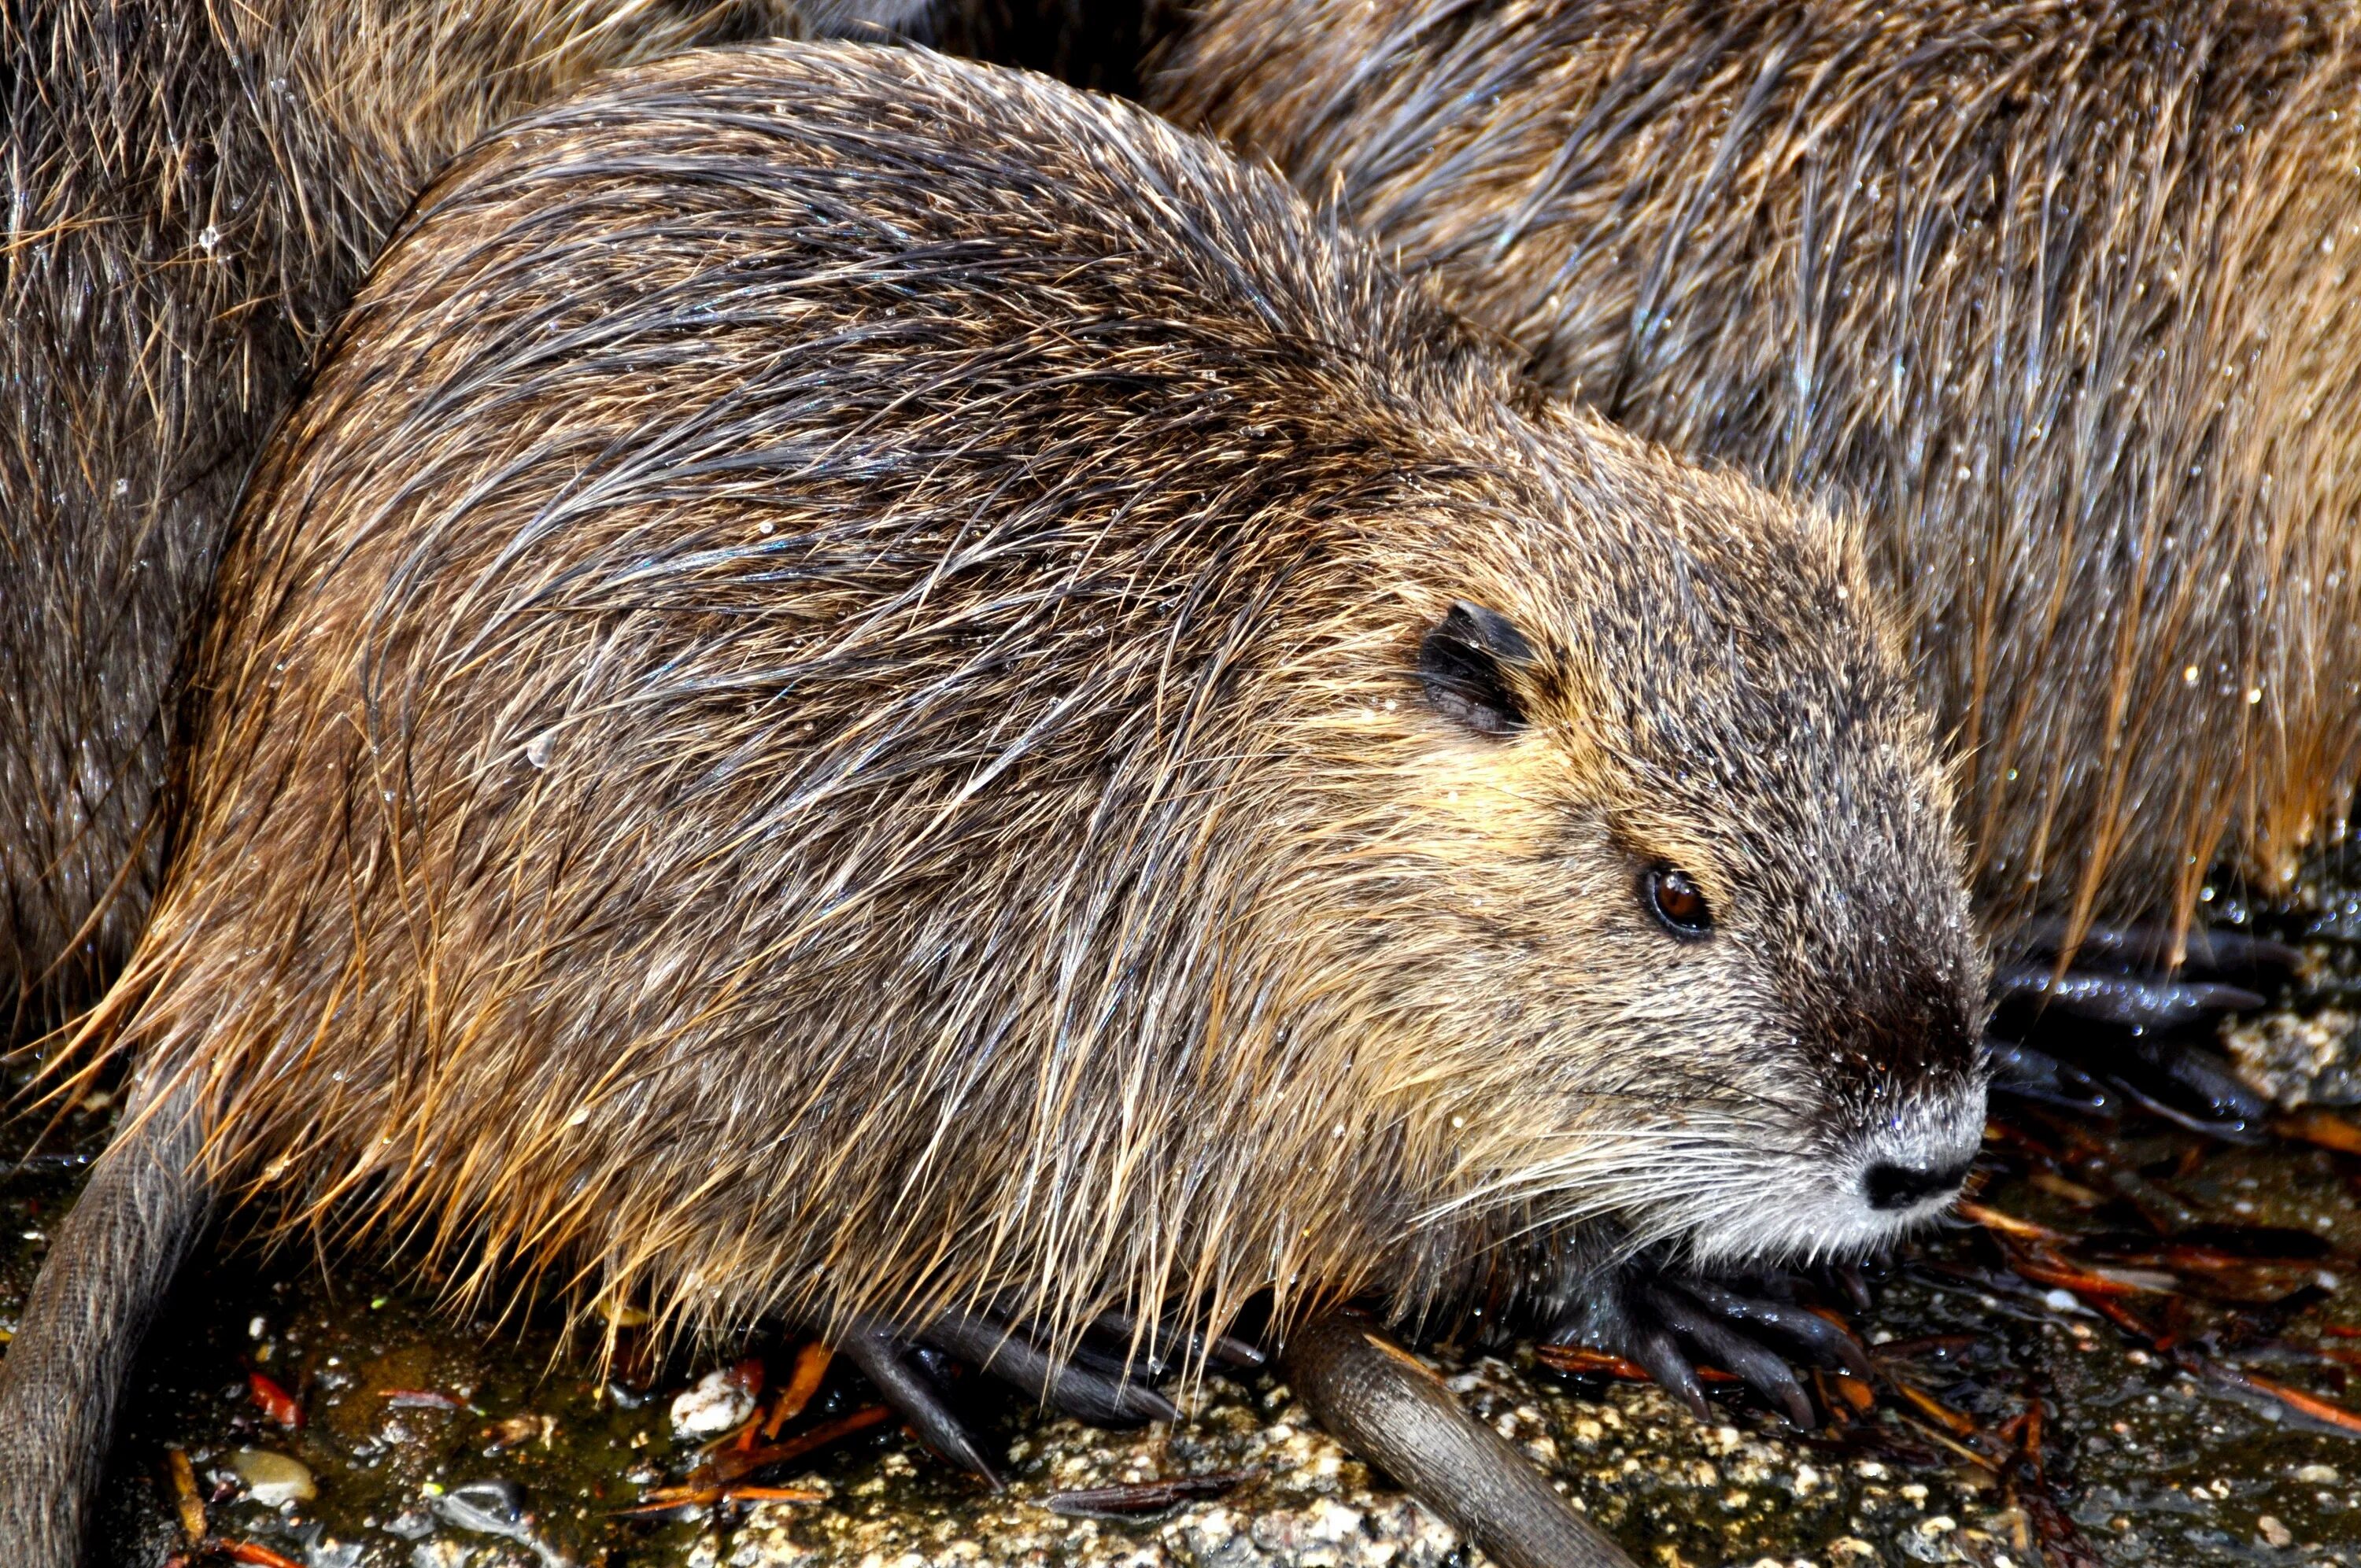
(2059, 297)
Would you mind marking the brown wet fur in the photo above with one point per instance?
(2057, 296)
(817, 713)
(193, 193)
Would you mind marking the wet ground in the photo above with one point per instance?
(2144, 1347)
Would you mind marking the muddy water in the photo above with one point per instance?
(429, 1440)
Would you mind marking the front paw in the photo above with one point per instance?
(1670, 1321)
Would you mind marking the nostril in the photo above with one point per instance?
(1892, 1186)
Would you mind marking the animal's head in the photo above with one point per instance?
(1682, 911)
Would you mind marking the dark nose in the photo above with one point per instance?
(1901, 1186)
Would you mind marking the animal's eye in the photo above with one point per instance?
(1673, 897)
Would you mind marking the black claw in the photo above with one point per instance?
(2206, 1086)
(2181, 1080)
(1082, 1391)
(2126, 1000)
(1809, 1328)
(2206, 950)
(2193, 1088)
(1220, 1350)
(2220, 950)
(1120, 1364)
(1666, 1322)
(1654, 1349)
(2031, 1073)
(1764, 1372)
(885, 1360)
(2129, 1027)
(2124, 976)
(1227, 1350)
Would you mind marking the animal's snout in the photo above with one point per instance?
(1917, 1154)
(1889, 1186)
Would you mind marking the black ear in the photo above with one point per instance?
(1463, 664)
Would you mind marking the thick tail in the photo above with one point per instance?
(1380, 1403)
(109, 1267)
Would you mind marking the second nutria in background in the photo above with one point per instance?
(874, 691)
(192, 191)
(2062, 298)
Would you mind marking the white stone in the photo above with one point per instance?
(717, 1402)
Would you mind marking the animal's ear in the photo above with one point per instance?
(1467, 661)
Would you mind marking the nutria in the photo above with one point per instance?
(2056, 295)
(941, 703)
(193, 193)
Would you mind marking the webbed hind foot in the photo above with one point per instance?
(2121, 1027)
(1670, 1323)
(1094, 1384)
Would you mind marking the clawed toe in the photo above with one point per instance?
(1830, 1344)
(2125, 976)
(1088, 1389)
(891, 1364)
(1094, 1384)
(2129, 1002)
(1711, 1341)
(1668, 1324)
(2183, 1082)
(1653, 1346)
(2119, 1028)
(2215, 952)
(1171, 1345)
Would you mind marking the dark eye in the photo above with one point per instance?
(1676, 901)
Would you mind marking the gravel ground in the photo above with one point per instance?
(1669, 1488)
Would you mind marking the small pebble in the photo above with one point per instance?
(2274, 1533)
(717, 1402)
(273, 1479)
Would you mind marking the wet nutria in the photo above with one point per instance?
(933, 697)
(2060, 296)
(193, 193)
